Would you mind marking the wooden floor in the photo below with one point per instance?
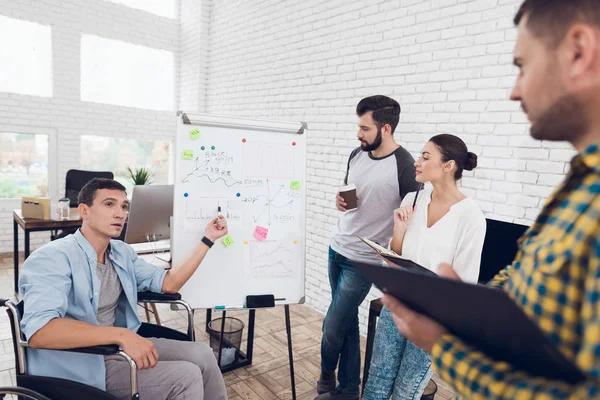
(267, 378)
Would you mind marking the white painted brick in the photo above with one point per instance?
(521, 176)
(535, 154)
(550, 179)
(545, 166)
(522, 201)
(492, 197)
(507, 187)
(562, 155)
(511, 211)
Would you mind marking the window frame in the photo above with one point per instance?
(52, 155)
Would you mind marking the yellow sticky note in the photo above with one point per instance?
(295, 185)
(194, 134)
(188, 155)
(227, 241)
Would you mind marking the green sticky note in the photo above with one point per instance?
(194, 134)
(227, 241)
(188, 155)
(295, 185)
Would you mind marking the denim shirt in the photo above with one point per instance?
(59, 281)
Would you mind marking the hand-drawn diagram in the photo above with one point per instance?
(270, 202)
(200, 211)
(272, 259)
(216, 167)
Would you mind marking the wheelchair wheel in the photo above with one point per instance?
(13, 392)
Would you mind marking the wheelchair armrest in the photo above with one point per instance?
(158, 297)
(103, 350)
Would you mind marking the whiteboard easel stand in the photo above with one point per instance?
(247, 358)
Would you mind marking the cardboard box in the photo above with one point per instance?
(35, 207)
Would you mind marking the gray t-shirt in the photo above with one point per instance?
(381, 184)
(110, 291)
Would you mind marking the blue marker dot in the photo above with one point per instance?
(238, 195)
(185, 195)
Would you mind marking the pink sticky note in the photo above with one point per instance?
(260, 233)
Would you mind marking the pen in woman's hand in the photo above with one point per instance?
(416, 195)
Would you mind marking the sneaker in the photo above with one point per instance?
(326, 382)
(337, 395)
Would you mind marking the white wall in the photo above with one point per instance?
(63, 115)
(448, 63)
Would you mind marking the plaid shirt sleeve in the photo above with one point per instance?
(498, 280)
(476, 376)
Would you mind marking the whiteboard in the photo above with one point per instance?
(255, 170)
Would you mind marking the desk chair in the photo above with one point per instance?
(499, 250)
(74, 182)
(62, 389)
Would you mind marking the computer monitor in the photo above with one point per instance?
(149, 213)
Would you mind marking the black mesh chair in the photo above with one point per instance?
(62, 389)
(74, 182)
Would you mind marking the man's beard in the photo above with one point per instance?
(562, 121)
(376, 143)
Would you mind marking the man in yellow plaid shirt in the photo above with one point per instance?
(555, 277)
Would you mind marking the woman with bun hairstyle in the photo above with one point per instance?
(444, 226)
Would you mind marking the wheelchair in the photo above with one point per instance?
(49, 388)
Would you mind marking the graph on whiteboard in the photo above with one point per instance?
(272, 259)
(199, 211)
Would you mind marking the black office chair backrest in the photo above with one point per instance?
(76, 180)
(499, 248)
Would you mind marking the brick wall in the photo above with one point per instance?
(448, 62)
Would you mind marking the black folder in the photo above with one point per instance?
(483, 317)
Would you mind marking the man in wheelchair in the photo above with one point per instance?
(81, 291)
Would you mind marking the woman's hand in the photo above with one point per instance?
(402, 217)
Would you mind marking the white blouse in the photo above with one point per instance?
(456, 239)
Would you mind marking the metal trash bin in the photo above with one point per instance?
(232, 339)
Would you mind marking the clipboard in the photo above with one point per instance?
(482, 316)
(397, 259)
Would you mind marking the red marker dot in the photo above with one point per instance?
(293, 143)
(244, 140)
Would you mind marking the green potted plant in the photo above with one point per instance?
(140, 176)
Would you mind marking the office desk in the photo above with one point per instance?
(37, 225)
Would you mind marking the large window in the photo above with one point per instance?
(25, 57)
(23, 165)
(164, 8)
(124, 74)
(116, 155)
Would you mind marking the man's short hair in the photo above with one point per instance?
(385, 110)
(88, 192)
(551, 19)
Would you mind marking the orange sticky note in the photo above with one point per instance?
(260, 233)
